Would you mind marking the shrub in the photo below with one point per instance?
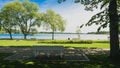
(103, 41)
(66, 41)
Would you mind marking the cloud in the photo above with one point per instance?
(75, 15)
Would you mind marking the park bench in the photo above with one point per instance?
(48, 50)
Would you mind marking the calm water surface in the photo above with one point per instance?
(59, 36)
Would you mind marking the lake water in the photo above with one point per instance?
(58, 36)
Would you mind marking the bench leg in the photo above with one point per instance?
(48, 55)
(61, 55)
(35, 53)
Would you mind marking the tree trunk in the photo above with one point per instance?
(114, 36)
(53, 35)
(25, 36)
(10, 36)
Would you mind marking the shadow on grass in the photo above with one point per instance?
(96, 61)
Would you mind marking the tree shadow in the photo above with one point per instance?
(96, 61)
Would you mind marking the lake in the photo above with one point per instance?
(59, 36)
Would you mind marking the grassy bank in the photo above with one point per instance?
(94, 44)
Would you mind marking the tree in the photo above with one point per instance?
(30, 17)
(119, 29)
(21, 15)
(107, 16)
(0, 21)
(53, 21)
(26, 16)
(7, 24)
(114, 35)
(7, 17)
(119, 21)
(78, 31)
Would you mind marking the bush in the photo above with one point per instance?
(66, 41)
(102, 41)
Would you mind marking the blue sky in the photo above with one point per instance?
(74, 14)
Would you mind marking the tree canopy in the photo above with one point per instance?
(24, 16)
(53, 21)
(8, 20)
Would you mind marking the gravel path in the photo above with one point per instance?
(19, 53)
(23, 53)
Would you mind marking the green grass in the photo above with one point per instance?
(35, 42)
(96, 61)
(17, 43)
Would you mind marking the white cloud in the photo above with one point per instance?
(74, 14)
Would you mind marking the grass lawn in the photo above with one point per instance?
(35, 42)
(96, 61)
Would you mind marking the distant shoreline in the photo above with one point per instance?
(58, 36)
(58, 33)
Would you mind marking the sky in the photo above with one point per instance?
(73, 13)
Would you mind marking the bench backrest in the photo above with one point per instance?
(49, 48)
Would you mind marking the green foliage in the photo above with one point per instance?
(78, 30)
(30, 18)
(100, 32)
(21, 15)
(53, 21)
(89, 4)
(104, 3)
(101, 19)
(111, 18)
(104, 41)
(66, 41)
(60, 1)
(7, 16)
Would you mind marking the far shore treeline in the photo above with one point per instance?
(25, 18)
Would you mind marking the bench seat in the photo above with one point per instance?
(48, 50)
